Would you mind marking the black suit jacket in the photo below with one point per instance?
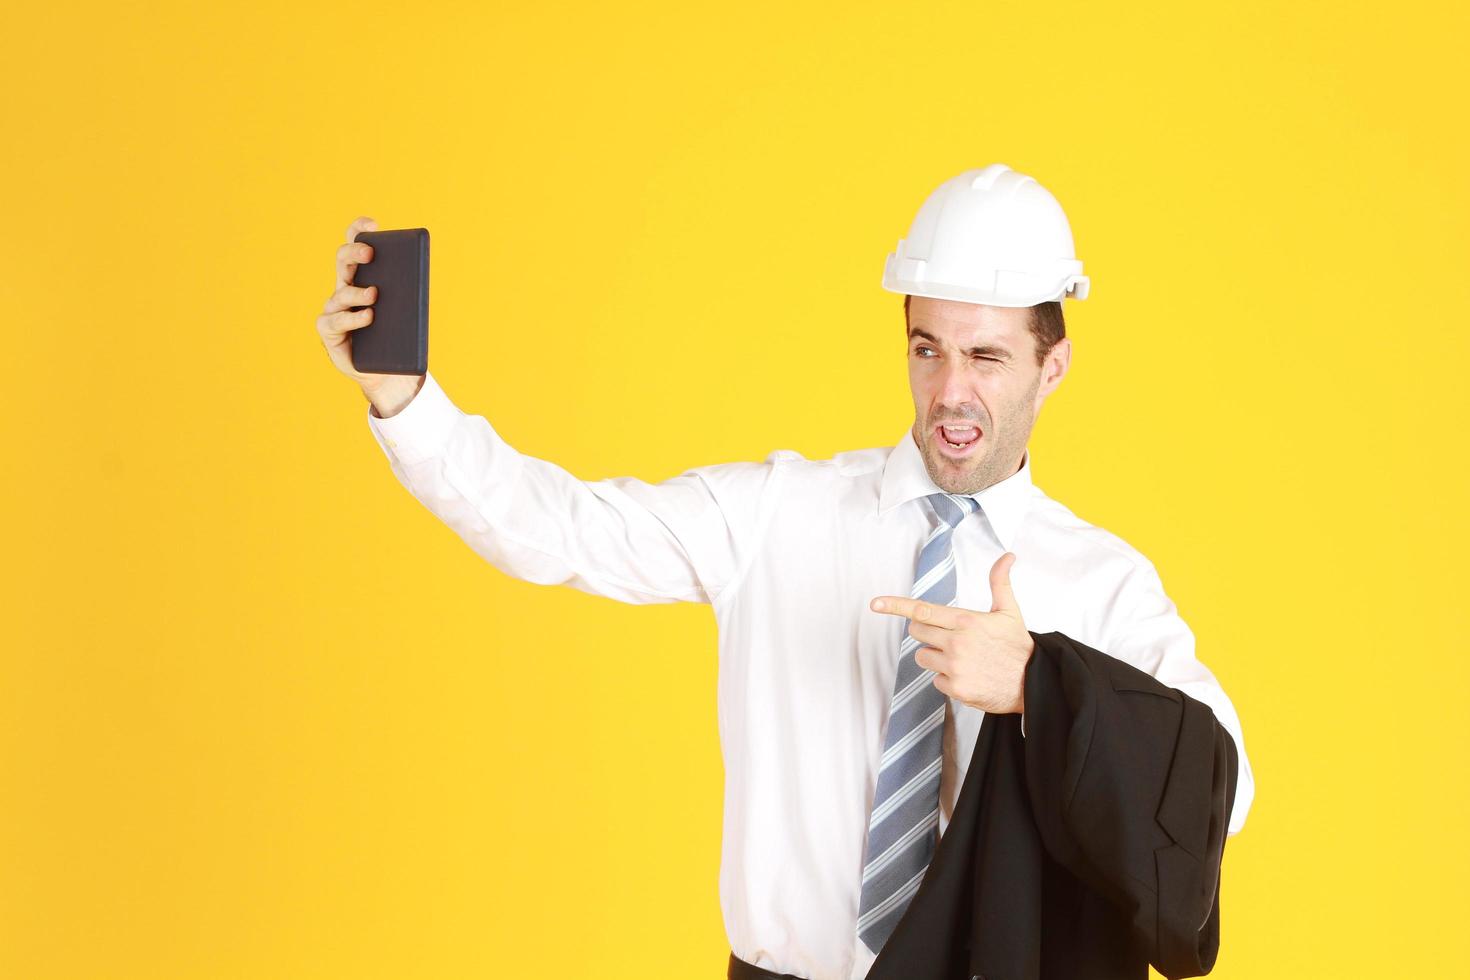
(1088, 848)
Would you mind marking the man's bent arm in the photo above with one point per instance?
(1145, 630)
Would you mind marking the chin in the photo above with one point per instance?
(952, 475)
(958, 476)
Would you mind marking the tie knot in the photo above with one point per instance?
(952, 507)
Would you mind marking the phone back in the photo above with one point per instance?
(397, 339)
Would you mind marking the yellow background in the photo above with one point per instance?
(261, 715)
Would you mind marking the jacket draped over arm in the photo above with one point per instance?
(1090, 848)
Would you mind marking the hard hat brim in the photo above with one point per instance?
(1017, 289)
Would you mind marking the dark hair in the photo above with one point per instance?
(1047, 325)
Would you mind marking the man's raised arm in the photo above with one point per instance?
(686, 539)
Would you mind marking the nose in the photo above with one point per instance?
(955, 389)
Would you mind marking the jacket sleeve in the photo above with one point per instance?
(1131, 784)
(687, 538)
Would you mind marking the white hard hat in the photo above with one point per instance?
(988, 236)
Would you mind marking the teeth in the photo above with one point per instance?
(959, 428)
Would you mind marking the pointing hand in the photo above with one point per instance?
(979, 658)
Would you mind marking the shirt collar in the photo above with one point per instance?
(1004, 504)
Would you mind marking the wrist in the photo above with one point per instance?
(391, 396)
(1029, 648)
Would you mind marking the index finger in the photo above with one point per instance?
(929, 613)
(363, 223)
(346, 267)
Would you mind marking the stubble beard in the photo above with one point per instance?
(995, 462)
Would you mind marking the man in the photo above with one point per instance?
(845, 727)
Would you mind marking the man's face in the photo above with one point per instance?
(974, 365)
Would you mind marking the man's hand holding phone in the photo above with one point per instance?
(388, 393)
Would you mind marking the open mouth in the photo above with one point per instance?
(957, 440)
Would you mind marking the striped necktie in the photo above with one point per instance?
(904, 821)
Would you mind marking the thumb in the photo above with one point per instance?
(1001, 596)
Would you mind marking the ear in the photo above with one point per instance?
(1054, 368)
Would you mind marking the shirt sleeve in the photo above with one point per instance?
(686, 539)
(1146, 631)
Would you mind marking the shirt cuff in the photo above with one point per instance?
(421, 428)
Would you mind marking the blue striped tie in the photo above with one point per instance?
(903, 825)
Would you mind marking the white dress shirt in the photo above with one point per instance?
(788, 552)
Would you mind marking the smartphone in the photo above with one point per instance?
(397, 339)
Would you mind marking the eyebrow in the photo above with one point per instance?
(984, 349)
